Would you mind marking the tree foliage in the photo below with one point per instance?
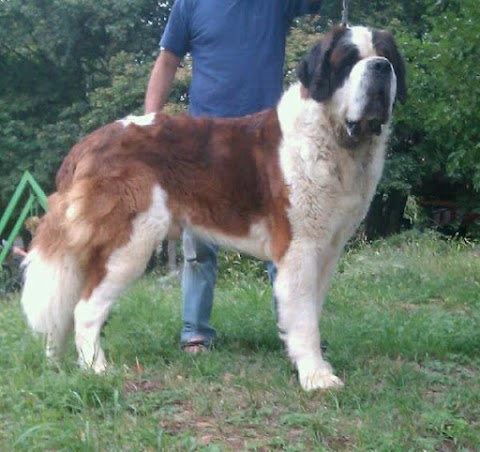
(65, 68)
(436, 142)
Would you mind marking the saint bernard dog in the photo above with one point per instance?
(289, 184)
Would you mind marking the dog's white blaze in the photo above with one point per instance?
(145, 120)
(362, 38)
(353, 93)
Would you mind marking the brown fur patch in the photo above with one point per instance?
(221, 174)
(218, 172)
(94, 144)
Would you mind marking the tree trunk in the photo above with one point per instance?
(172, 256)
(385, 216)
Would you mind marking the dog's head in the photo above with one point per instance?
(358, 73)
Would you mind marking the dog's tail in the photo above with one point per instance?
(53, 277)
(51, 290)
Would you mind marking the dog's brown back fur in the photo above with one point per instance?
(107, 179)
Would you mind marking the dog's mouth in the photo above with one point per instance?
(373, 116)
(371, 126)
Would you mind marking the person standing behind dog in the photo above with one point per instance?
(238, 53)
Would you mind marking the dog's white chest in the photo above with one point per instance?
(330, 190)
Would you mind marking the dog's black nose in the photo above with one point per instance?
(353, 128)
(381, 66)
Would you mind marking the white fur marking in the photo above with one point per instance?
(70, 213)
(362, 38)
(51, 290)
(257, 243)
(145, 120)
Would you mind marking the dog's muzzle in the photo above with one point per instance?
(371, 127)
(377, 109)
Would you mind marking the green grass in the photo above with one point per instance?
(402, 320)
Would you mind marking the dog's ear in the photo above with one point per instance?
(314, 70)
(385, 46)
(303, 73)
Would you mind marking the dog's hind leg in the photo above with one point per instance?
(90, 315)
(296, 288)
(122, 267)
(56, 340)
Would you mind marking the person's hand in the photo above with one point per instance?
(19, 251)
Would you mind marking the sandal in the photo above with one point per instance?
(195, 346)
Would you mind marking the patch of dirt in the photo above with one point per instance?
(207, 430)
(341, 442)
(134, 386)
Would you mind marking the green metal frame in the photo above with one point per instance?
(36, 195)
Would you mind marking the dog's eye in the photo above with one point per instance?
(345, 69)
(346, 64)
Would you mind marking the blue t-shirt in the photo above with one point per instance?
(237, 48)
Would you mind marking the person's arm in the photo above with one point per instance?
(18, 251)
(161, 80)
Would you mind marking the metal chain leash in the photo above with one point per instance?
(345, 13)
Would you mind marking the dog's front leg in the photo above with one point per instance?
(296, 288)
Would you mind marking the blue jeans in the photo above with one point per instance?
(198, 287)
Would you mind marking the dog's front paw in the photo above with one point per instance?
(100, 366)
(318, 377)
(97, 362)
(320, 380)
